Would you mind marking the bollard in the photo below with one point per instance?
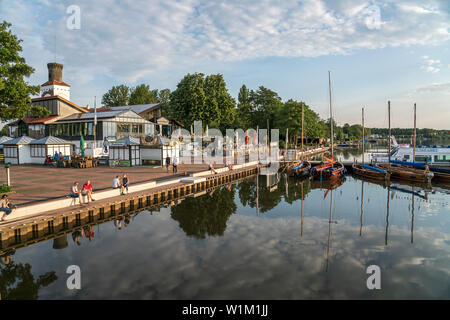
(8, 179)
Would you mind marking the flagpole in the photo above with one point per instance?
(95, 126)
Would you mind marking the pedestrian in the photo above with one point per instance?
(74, 193)
(116, 183)
(87, 190)
(167, 162)
(5, 206)
(56, 156)
(175, 165)
(125, 182)
(61, 157)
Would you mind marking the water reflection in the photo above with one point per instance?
(314, 241)
(206, 215)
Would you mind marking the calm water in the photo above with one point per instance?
(244, 242)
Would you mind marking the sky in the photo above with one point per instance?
(376, 50)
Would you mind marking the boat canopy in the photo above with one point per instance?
(373, 168)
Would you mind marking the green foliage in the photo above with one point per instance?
(17, 282)
(4, 189)
(206, 215)
(265, 105)
(244, 110)
(39, 112)
(4, 131)
(203, 99)
(116, 96)
(15, 93)
(142, 94)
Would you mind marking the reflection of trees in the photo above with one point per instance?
(205, 215)
(270, 199)
(17, 282)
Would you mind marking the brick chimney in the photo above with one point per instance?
(55, 71)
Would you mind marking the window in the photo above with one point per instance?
(137, 128)
(10, 152)
(149, 129)
(123, 128)
(442, 158)
(422, 159)
(38, 151)
(109, 129)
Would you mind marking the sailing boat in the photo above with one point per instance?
(303, 168)
(330, 170)
(399, 171)
(361, 169)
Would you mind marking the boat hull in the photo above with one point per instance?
(405, 173)
(303, 171)
(328, 171)
(359, 170)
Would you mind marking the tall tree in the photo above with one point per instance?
(188, 100)
(142, 94)
(164, 97)
(15, 93)
(244, 109)
(266, 104)
(203, 99)
(219, 104)
(116, 96)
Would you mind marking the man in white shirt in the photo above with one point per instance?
(116, 183)
(175, 165)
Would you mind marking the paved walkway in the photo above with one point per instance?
(34, 183)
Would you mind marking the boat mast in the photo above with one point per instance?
(412, 217)
(414, 144)
(331, 115)
(389, 136)
(387, 218)
(301, 220)
(363, 135)
(303, 122)
(330, 221)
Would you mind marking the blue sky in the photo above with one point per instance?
(376, 50)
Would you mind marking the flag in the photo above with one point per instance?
(82, 148)
(95, 112)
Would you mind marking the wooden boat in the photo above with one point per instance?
(440, 174)
(406, 173)
(328, 171)
(370, 172)
(299, 169)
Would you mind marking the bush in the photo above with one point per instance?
(4, 189)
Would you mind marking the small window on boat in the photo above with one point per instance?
(422, 159)
(407, 156)
(442, 158)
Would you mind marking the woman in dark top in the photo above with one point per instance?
(125, 183)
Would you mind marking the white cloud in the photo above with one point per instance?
(431, 66)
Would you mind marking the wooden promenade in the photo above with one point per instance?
(33, 229)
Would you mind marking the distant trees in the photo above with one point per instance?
(116, 96)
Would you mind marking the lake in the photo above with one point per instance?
(253, 240)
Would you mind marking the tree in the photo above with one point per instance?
(39, 112)
(142, 94)
(116, 96)
(220, 105)
(266, 104)
(164, 97)
(15, 93)
(244, 109)
(188, 100)
(203, 99)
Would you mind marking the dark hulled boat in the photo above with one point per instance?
(328, 171)
(370, 172)
(299, 169)
(406, 173)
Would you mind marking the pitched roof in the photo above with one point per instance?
(4, 139)
(62, 99)
(34, 120)
(129, 141)
(19, 140)
(58, 83)
(138, 108)
(50, 140)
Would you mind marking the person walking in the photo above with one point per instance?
(167, 162)
(175, 165)
(125, 182)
